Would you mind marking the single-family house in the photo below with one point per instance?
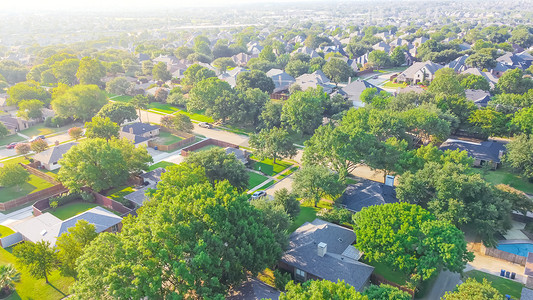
(49, 159)
(282, 80)
(382, 46)
(499, 69)
(313, 80)
(487, 152)
(367, 193)
(419, 72)
(231, 75)
(306, 50)
(488, 76)
(352, 91)
(458, 64)
(479, 97)
(47, 227)
(513, 61)
(150, 180)
(322, 250)
(139, 133)
(15, 124)
(242, 59)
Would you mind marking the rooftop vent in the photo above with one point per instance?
(43, 232)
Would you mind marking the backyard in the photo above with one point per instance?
(505, 176)
(308, 213)
(31, 288)
(503, 285)
(207, 147)
(167, 138)
(33, 185)
(69, 210)
(118, 193)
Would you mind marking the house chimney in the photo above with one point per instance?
(349, 79)
(131, 130)
(500, 154)
(322, 249)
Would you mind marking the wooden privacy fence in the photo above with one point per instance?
(40, 195)
(510, 257)
(32, 170)
(187, 139)
(185, 151)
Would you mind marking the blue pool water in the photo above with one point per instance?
(518, 249)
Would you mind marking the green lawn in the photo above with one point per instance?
(167, 138)
(40, 129)
(5, 231)
(31, 288)
(196, 116)
(503, 285)
(505, 176)
(16, 160)
(52, 173)
(390, 84)
(118, 194)
(163, 107)
(35, 184)
(387, 272)
(69, 210)
(161, 164)
(208, 147)
(287, 173)
(307, 214)
(10, 139)
(255, 180)
(268, 167)
(122, 98)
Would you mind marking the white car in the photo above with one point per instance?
(205, 125)
(258, 194)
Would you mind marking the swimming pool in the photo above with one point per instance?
(521, 249)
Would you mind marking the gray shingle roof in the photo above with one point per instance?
(139, 196)
(282, 80)
(139, 128)
(53, 154)
(253, 289)
(367, 193)
(527, 294)
(333, 266)
(154, 175)
(479, 97)
(355, 88)
(487, 151)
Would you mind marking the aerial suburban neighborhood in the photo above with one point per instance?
(343, 149)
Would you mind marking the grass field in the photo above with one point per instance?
(167, 138)
(31, 288)
(5, 231)
(307, 214)
(505, 176)
(287, 173)
(122, 98)
(162, 107)
(118, 194)
(255, 180)
(503, 285)
(161, 164)
(268, 167)
(69, 210)
(208, 147)
(390, 84)
(10, 139)
(33, 185)
(40, 129)
(196, 116)
(16, 160)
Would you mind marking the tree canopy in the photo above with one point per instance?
(118, 112)
(80, 102)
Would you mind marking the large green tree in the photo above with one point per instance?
(118, 112)
(337, 70)
(13, 175)
(274, 143)
(29, 90)
(473, 289)
(195, 240)
(160, 72)
(386, 292)
(30, 109)
(314, 182)
(177, 122)
(519, 155)
(320, 289)
(65, 70)
(410, 239)
(205, 93)
(446, 83)
(3, 130)
(514, 82)
(80, 102)
(302, 112)
(70, 246)
(220, 166)
(255, 79)
(196, 73)
(102, 128)
(523, 119)
(118, 86)
(90, 71)
(101, 164)
(38, 258)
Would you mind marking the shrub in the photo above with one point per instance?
(336, 215)
(64, 199)
(87, 197)
(281, 279)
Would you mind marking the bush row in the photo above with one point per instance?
(64, 199)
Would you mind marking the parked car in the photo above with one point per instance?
(375, 77)
(11, 146)
(258, 194)
(205, 125)
(37, 137)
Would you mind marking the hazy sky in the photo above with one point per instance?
(21, 5)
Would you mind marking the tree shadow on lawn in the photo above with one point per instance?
(50, 284)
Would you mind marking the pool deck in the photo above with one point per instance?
(509, 242)
(515, 233)
(493, 266)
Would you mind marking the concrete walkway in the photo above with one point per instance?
(270, 178)
(23, 136)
